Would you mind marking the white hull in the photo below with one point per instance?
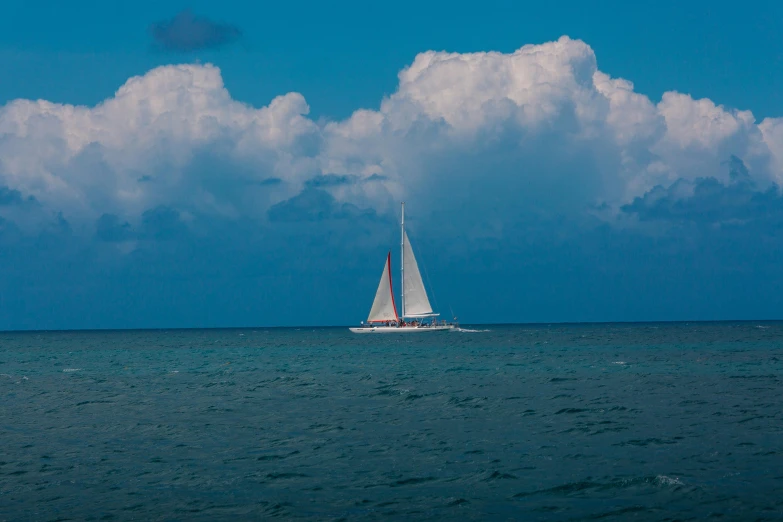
(401, 329)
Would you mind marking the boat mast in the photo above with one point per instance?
(402, 257)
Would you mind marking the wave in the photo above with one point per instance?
(571, 488)
(16, 381)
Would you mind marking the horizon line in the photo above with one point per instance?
(279, 327)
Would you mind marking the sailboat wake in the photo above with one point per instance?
(468, 330)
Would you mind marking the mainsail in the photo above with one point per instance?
(416, 301)
(383, 308)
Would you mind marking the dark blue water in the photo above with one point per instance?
(647, 422)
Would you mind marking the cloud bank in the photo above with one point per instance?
(495, 152)
(539, 125)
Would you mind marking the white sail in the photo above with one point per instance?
(416, 301)
(383, 308)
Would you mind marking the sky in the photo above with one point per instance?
(169, 164)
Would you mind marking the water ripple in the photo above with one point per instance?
(564, 422)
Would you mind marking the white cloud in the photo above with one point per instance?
(772, 136)
(91, 160)
(542, 125)
(693, 123)
(533, 85)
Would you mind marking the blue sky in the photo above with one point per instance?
(346, 55)
(543, 186)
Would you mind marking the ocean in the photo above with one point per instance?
(527, 422)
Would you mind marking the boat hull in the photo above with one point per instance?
(401, 329)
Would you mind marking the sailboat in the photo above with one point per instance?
(417, 314)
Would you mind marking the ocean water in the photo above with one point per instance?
(549, 422)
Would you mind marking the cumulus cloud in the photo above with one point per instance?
(188, 32)
(172, 137)
(498, 137)
(733, 202)
(316, 205)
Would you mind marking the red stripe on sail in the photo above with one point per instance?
(391, 287)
